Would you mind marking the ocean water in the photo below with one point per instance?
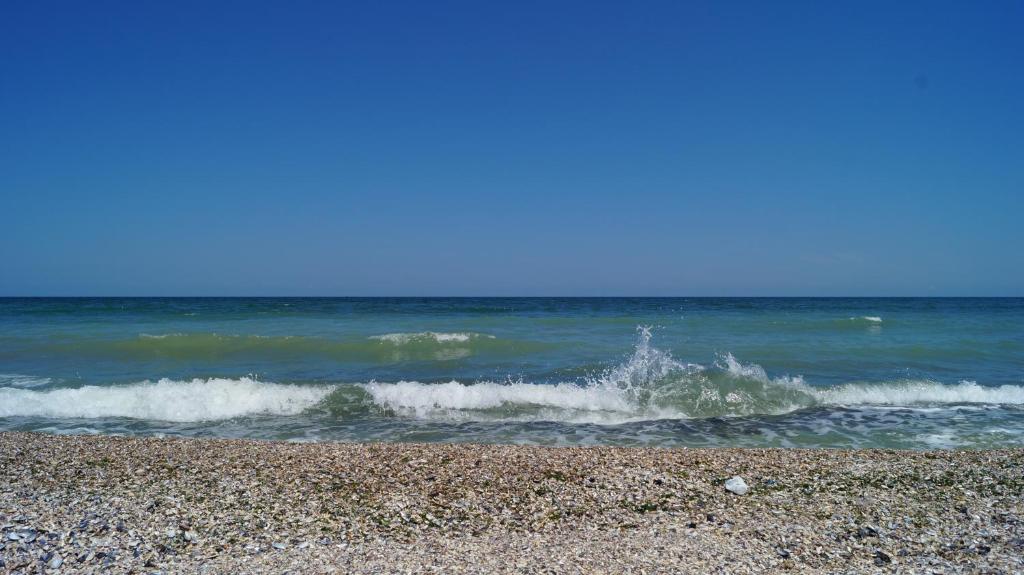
(790, 372)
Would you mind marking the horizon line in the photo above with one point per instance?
(511, 296)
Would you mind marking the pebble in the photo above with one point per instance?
(497, 508)
(882, 558)
(737, 485)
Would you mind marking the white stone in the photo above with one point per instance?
(737, 485)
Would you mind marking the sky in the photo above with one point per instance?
(511, 148)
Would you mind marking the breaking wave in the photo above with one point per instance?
(19, 380)
(914, 393)
(866, 320)
(649, 385)
(404, 338)
(653, 385)
(165, 400)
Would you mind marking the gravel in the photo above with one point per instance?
(83, 504)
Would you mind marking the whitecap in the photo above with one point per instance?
(165, 400)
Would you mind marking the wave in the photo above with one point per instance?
(911, 393)
(649, 385)
(867, 318)
(653, 385)
(427, 336)
(387, 348)
(572, 403)
(165, 400)
(19, 380)
(501, 401)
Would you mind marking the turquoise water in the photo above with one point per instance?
(912, 373)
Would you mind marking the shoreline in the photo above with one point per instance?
(142, 505)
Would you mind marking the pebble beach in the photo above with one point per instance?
(107, 504)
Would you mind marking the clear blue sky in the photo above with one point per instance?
(512, 148)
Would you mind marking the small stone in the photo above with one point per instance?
(882, 558)
(737, 485)
(278, 545)
(863, 532)
(56, 562)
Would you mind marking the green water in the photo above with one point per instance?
(913, 373)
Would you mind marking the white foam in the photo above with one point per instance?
(439, 337)
(165, 400)
(24, 381)
(870, 318)
(898, 393)
(424, 400)
(910, 393)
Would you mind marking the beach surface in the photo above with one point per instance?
(81, 504)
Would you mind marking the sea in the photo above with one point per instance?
(910, 373)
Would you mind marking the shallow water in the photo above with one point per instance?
(913, 373)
